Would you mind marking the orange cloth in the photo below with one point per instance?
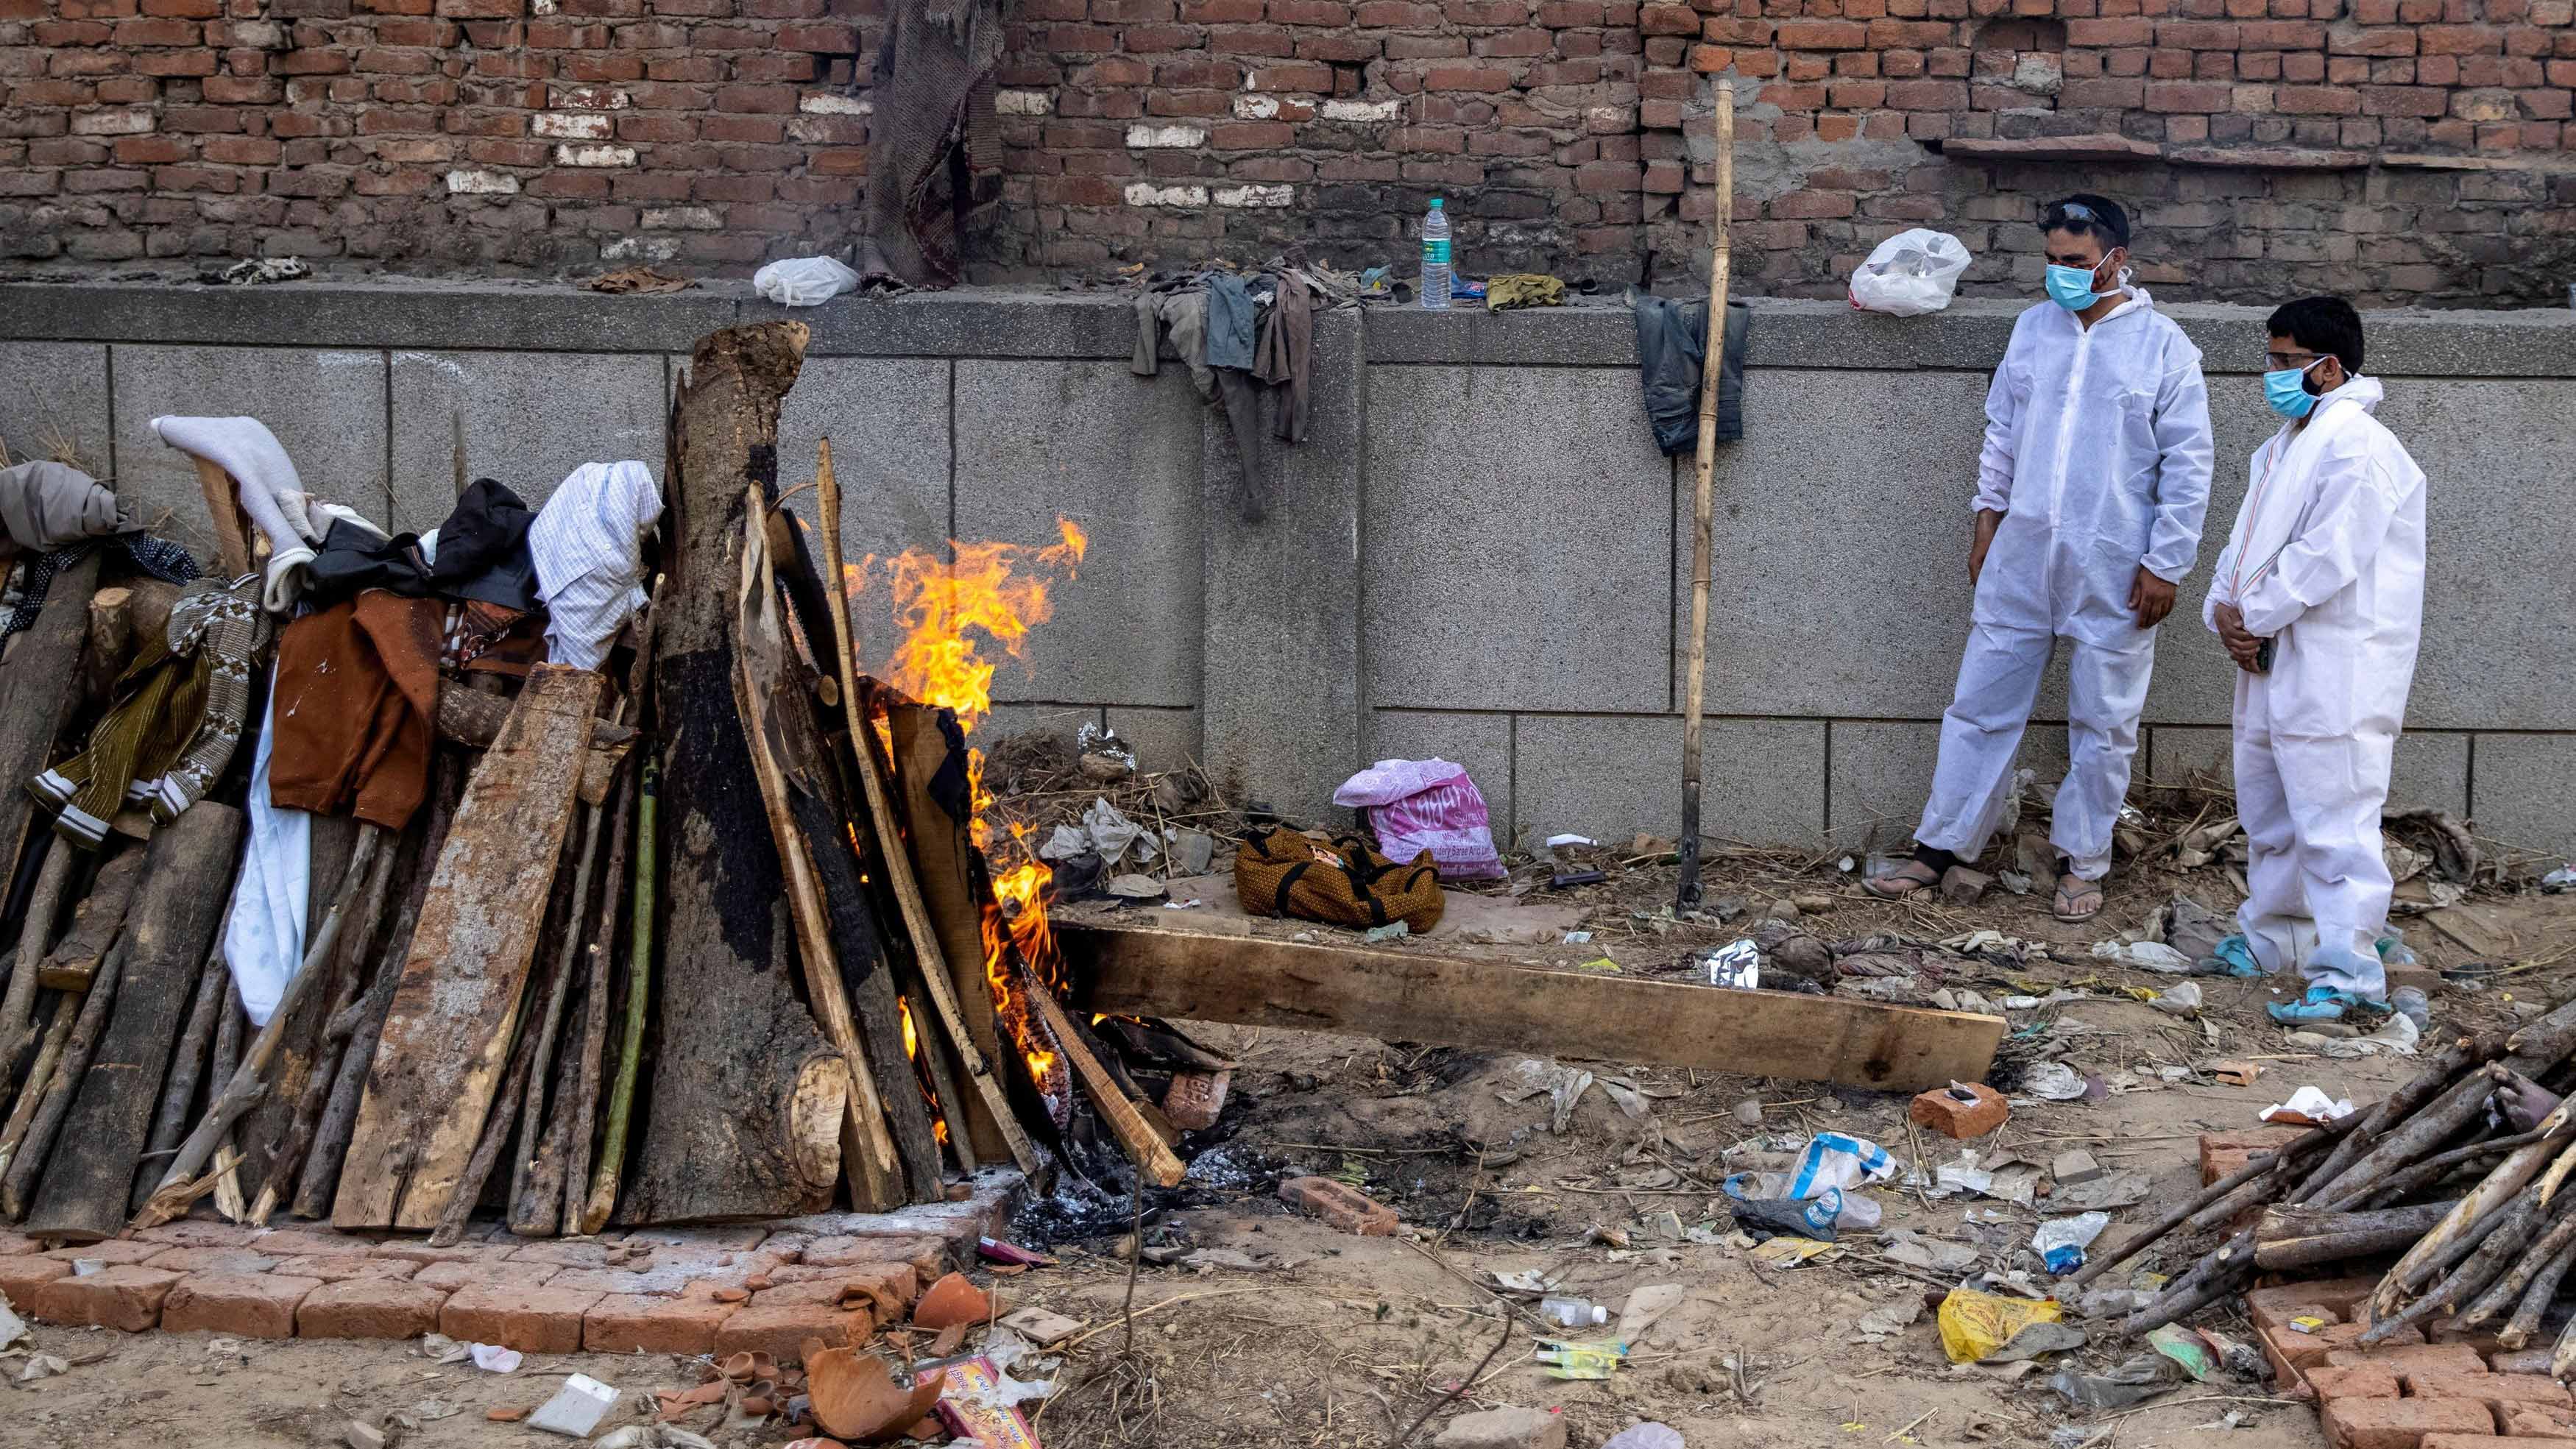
(357, 693)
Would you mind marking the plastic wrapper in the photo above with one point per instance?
(2060, 1242)
(1975, 1324)
(1419, 805)
(803, 281)
(1910, 273)
(1736, 965)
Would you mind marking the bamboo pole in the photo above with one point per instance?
(639, 983)
(1703, 502)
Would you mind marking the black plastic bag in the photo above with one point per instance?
(1672, 343)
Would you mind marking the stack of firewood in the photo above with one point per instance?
(705, 934)
(2436, 1173)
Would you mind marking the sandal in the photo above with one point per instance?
(2068, 905)
(1903, 882)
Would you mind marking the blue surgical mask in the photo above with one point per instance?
(2287, 391)
(2072, 288)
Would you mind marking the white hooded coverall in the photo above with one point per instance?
(2327, 561)
(2097, 453)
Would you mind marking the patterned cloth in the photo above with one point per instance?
(225, 627)
(25, 594)
(150, 718)
(588, 543)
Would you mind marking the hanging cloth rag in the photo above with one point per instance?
(24, 595)
(354, 558)
(1231, 330)
(270, 491)
(483, 549)
(588, 546)
(45, 506)
(228, 632)
(1672, 343)
(1288, 352)
(356, 695)
(931, 141)
(264, 930)
(1184, 313)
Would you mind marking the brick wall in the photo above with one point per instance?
(2398, 149)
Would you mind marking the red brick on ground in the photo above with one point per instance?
(780, 1329)
(245, 1305)
(322, 1242)
(529, 1319)
(2463, 1441)
(211, 1260)
(2277, 1313)
(21, 1277)
(1947, 1115)
(2224, 1153)
(1340, 1204)
(2307, 1350)
(452, 1276)
(114, 1251)
(13, 1245)
(2520, 1360)
(418, 1250)
(927, 1255)
(333, 1267)
(2373, 1382)
(2341, 1296)
(2400, 1423)
(2535, 1421)
(623, 1323)
(2487, 1388)
(2409, 1357)
(197, 1233)
(125, 1296)
(651, 1283)
(369, 1308)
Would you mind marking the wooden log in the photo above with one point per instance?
(285, 1165)
(2399, 1186)
(2523, 1266)
(928, 754)
(1160, 1045)
(1143, 1146)
(2430, 1081)
(2499, 1188)
(2536, 1298)
(242, 1086)
(2302, 1237)
(2217, 1274)
(39, 1141)
(187, 869)
(2209, 1198)
(2489, 1252)
(1482, 1005)
(35, 937)
(2538, 1045)
(95, 922)
(121, 617)
(532, 1212)
(826, 930)
(610, 1168)
(40, 1075)
(187, 1066)
(2417, 1136)
(223, 505)
(321, 1178)
(564, 1167)
(447, 1035)
(742, 1065)
(231, 1025)
(44, 693)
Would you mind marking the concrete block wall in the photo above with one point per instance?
(1478, 554)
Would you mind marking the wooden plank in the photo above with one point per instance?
(86, 1187)
(44, 693)
(1484, 1005)
(1144, 1146)
(924, 740)
(448, 1031)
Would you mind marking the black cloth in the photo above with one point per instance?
(158, 557)
(353, 558)
(483, 549)
(1672, 344)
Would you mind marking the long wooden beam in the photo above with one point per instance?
(1485, 1005)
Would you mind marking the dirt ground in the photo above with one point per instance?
(1289, 1333)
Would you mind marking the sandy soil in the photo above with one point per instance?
(1334, 1340)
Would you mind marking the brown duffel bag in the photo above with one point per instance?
(1344, 881)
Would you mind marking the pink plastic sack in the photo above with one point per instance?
(1419, 805)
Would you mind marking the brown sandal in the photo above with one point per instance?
(2064, 906)
(1915, 885)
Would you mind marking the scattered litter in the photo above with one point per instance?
(1736, 965)
(576, 1408)
(41, 1366)
(2053, 1081)
(1932, 1254)
(638, 281)
(2558, 880)
(2060, 1242)
(1568, 1311)
(2179, 1000)
(1041, 1327)
(255, 271)
(1881, 1324)
(439, 1348)
(1910, 273)
(803, 281)
(1577, 938)
(854, 1396)
(1789, 1250)
(492, 1358)
(2014, 881)
(1645, 1436)
(1563, 1085)
(1975, 1324)
(2396, 1036)
(2308, 1107)
(1525, 1280)
(1748, 1113)
(1565, 1360)
(1555, 841)
(2133, 1382)
(2236, 1074)
(953, 1299)
(2117, 1190)
(2145, 955)
(2036, 1338)
(972, 1406)
(362, 1436)
(2075, 1166)
(1391, 931)
(1134, 887)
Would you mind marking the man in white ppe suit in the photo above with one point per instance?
(2090, 493)
(2319, 599)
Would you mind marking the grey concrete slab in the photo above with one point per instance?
(1163, 739)
(389, 312)
(1879, 773)
(1517, 541)
(2429, 768)
(888, 422)
(1118, 456)
(530, 418)
(1481, 742)
(2524, 793)
(326, 407)
(1588, 334)
(1763, 781)
(969, 323)
(1061, 722)
(53, 398)
(1280, 685)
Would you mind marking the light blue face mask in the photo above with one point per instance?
(2287, 391)
(2072, 288)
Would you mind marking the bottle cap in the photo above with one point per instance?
(1435, 203)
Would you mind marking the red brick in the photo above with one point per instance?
(2277, 1313)
(2400, 1423)
(2463, 1441)
(2407, 1358)
(1340, 1204)
(1465, 78)
(1949, 1116)
(2535, 1421)
(124, 1296)
(2248, 1140)
(2352, 1383)
(113, 1251)
(1822, 35)
(2338, 1296)
(623, 1323)
(2488, 1388)
(20, 1277)
(1667, 20)
(369, 1308)
(338, 1267)
(452, 1276)
(418, 1250)
(781, 1328)
(245, 1305)
(529, 1319)
(211, 1260)
(2308, 1350)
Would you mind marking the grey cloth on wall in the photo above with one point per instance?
(1185, 313)
(46, 505)
(1231, 321)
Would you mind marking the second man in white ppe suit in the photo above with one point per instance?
(2090, 491)
(2320, 601)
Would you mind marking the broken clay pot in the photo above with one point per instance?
(951, 1300)
(854, 1398)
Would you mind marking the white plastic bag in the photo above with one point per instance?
(803, 281)
(1910, 273)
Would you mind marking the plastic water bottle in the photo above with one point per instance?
(1564, 1310)
(2409, 1002)
(1435, 258)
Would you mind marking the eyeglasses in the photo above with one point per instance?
(2282, 361)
